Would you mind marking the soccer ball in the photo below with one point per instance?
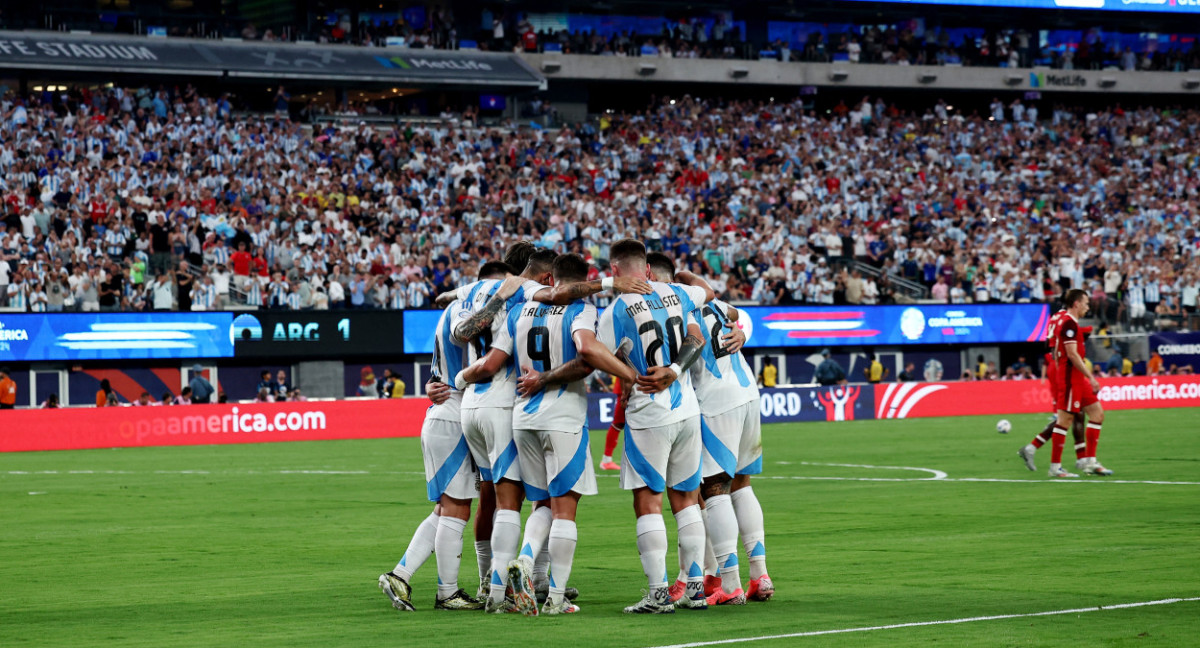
(1003, 426)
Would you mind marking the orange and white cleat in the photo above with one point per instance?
(712, 585)
(610, 465)
(760, 589)
(721, 597)
(677, 590)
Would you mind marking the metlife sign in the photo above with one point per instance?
(1164, 6)
(271, 61)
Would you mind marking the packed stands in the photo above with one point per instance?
(141, 198)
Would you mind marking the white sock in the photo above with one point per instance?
(691, 547)
(652, 547)
(448, 546)
(750, 525)
(483, 557)
(420, 548)
(606, 459)
(710, 559)
(537, 529)
(563, 537)
(541, 567)
(506, 535)
(722, 534)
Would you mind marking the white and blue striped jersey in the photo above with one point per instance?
(500, 389)
(656, 326)
(541, 336)
(722, 380)
(448, 360)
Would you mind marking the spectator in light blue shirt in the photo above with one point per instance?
(358, 292)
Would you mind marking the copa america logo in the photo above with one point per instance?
(912, 323)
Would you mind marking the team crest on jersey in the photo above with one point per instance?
(1070, 333)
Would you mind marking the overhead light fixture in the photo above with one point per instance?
(926, 77)
(1107, 82)
(646, 69)
(551, 66)
(1013, 79)
(739, 73)
(838, 75)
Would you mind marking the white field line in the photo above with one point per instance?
(918, 624)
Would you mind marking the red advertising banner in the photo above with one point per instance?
(122, 427)
(913, 400)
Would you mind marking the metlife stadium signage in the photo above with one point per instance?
(114, 336)
(268, 61)
(1165, 6)
(895, 325)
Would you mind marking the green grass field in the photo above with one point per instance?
(281, 545)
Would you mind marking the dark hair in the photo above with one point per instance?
(105, 386)
(627, 249)
(1072, 296)
(493, 269)
(570, 267)
(265, 372)
(660, 262)
(541, 262)
(517, 256)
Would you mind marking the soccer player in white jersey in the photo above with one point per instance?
(731, 433)
(550, 426)
(450, 482)
(663, 335)
(491, 436)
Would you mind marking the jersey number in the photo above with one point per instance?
(718, 351)
(537, 347)
(654, 346)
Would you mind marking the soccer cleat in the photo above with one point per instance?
(760, 589)
(565, 607)
(485, 587)
(610, 465)
(543, 593)
(523, 593)
(505, 607)
(721, 597)
(697, 602)
(398, 591)
(1094, 468)
(675, 592)
(1027, 454)
(1061, 473)
(655, 602)
(712, 584)
(459, 600)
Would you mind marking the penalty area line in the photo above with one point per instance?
(919, 624)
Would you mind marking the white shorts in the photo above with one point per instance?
(448, 467)
(732, 441)
(490, 437)
(661, 457)
(555, 463)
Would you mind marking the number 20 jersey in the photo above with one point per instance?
(655, 325)
(722, 380)
(541, 336)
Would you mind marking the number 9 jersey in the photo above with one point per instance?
(541, 337)
(651, 327)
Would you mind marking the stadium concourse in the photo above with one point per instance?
(142, 198)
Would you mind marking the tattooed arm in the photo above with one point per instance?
(532, 382)
(562, 295)
(481, 320)
(660, 378)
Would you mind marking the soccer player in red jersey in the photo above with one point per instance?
(614, 430)
(1077, 427)
(1077, 389)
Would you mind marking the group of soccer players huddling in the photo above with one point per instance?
(509, 425)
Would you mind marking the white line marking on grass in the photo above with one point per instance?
(918, 624)
(1097, 480)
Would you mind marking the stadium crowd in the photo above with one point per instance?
(139, 199)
